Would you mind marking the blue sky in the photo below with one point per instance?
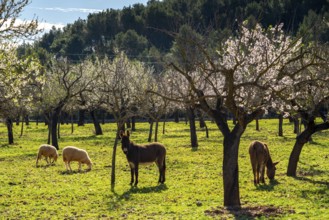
(61, 12)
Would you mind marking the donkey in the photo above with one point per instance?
(260, 157)
(143, 154)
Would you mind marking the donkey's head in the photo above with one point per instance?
(125, 141)
(270, 171)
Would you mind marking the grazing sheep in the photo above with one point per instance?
(71, 153)
(47, 151)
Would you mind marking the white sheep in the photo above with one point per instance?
(71, 153)
(48, 151)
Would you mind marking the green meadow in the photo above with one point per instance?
(193, 188)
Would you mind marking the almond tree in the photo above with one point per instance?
(13, 75)
(307, 97)
(152, 106)
(117, 91)
(17, 79)
(63, 82)
(241, 77)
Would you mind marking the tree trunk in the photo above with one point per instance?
(280, 124)
(164, 126)
(9, 125)
(133, 123)
(150, 131)
(72, 124)
(58, 130)
(97, 126)
(294, 156)
(27, 120)
(296, 125)
(22, 129)
(81, 120)
(17, 120)
(193, 135)
(231, 168)
(206, 128)
(156, 130)
(234, 120)
(128, 123)
(54, 123)
(176, 116)
(114, 158)
(201, 120)
(103, 116)
(301, 139)
(49, 133)
(257, 124)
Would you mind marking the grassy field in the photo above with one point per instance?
(193, 189)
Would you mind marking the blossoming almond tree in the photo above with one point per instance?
(62, 82)
(308, 97)
(13, 75)
(241, 78)
(118, 88)
(17, 79)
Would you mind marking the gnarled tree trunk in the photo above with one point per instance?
(150, 131)
(97, 126)
(301, 139)
(280, 124)
(191, 119)
(231, 168)
(54, 124)
(9, 124)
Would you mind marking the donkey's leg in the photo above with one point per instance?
(136, 174)
(163, 173)
(254, 168)
(257, 173)
(157, 162)
(163, 170)
(262, 171)
(132, 172)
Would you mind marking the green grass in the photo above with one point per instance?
(194, 177)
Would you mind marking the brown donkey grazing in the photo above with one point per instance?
(260, 157)
(143, 154)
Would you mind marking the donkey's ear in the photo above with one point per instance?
(121, 133)
(274, 164)
(128, 134)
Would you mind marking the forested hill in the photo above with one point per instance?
(143, 30)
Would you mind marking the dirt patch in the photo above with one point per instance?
(247, 212)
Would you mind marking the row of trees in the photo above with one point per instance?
(252, 70)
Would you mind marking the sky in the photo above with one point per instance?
(59, 13)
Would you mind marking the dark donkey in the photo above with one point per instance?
(260, 157)
(143, 154)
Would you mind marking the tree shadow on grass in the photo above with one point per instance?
(247, 212)
(319, 191)
(303, 178)
(116, 199)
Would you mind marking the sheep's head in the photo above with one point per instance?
(89, 165)
(56, 156)
(125, 141)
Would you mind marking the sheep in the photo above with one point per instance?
(71, 153)
(48, 151)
